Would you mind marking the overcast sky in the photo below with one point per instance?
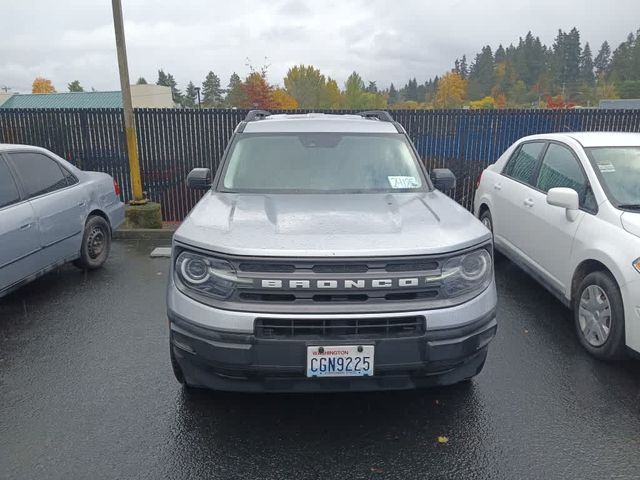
(383, 40)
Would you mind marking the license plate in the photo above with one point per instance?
(340, 361)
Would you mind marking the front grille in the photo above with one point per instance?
(394, 327)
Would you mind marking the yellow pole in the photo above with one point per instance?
(129, 119)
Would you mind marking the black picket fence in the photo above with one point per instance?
(173, 141)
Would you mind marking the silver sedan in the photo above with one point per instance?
(52, 213)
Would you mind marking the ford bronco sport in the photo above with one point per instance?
(324, 258)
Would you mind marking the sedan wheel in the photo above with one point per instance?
(486, 220)
(599, 316)
(96, 243)
(594, 315)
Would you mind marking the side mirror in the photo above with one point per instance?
(564, 198)
(199, 179)
(443, 179)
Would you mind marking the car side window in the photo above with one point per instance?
(522, 165)
(69, 177)
(39, 174)
(8, 189)
(560, 168)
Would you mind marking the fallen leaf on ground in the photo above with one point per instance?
(377, 470)
(443, 439)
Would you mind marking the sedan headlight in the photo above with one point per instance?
(206, 275)
(468, 273)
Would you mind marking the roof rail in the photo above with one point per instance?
(256, 115)
(381, 115)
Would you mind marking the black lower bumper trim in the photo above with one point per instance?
(241, 362)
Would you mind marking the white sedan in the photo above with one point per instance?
(566, 208)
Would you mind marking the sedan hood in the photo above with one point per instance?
(330, 225)
(631, 222)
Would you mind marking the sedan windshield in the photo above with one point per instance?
(619, 169)
(322, 162)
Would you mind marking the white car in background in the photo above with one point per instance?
(566, 208)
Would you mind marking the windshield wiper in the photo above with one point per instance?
(630, 206)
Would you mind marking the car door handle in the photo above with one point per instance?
(528, 202)
(498, 186)
(26, 226)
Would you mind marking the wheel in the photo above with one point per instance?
(486, 219)
(96, 244)
(599, 316)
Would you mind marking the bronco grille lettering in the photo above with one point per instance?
(344, 284)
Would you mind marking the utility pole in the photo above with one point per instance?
(129, 119)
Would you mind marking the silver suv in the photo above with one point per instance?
(323, 258)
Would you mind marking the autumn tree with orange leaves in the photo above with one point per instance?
(281, 100)
(558, 103)
(451, 91)
(258, 92)
(42, 85)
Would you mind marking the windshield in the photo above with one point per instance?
(619, 171)
(322, 162)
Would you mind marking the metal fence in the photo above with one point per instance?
(172, 142)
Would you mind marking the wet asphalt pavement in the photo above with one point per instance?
(86, 391)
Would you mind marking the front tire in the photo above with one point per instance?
(487, 220)
(599, 316)
(96, 244)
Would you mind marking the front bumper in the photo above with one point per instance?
(223, 359)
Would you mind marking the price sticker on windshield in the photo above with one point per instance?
(403, 182)
(606, 167)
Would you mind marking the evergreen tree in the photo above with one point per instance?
(236, 96)
(211, 91)
(167, 80)
(625, 61)
(601, 62)
(566, 62)
(500, 55)
(430, 87)
(410, 91)
(393, 95)
(141, 81)
(421, 92)
(464, 68)
(586, 67)
(191, 96)
(75, 86)
(372, 87)
(481, 75)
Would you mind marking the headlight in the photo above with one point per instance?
(206, 275)
(467, 273)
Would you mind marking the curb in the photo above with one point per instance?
(165, 233)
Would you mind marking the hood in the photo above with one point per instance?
(631, 222)
(330, 225)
